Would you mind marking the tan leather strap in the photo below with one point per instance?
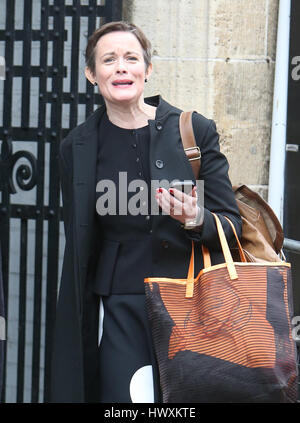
(193, 154)
(190, 277)
(206, 257)
(207, 260)
(191, 265)
(241, 251)
(189, 142)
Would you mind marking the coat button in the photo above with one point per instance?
(165, 244)
(159, 164)
(158, 126)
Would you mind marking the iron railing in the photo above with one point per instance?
(53, 97)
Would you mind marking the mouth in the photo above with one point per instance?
(122, 82)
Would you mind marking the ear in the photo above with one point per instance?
(149, 70)
(89, 75)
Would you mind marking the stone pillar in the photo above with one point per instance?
(217, 57)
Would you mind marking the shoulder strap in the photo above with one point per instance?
(189, 143)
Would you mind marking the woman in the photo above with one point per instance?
(107, 256)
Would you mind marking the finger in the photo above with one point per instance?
(185, 209)
(182, 196)
(161, 199)
(190, 205)
(176, 193)
(188, 200)
(169, 204)
(176, 204)
(194, 192)
(179, 209)
(194, 196)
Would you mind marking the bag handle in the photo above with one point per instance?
(191, 271)
(206, 258)
(241, 251)
(189, 292)
(225, 248)
(228, 258)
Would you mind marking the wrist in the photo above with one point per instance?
(195, 222)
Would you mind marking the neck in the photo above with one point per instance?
(130, 116)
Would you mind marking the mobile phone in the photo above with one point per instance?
(185, 186)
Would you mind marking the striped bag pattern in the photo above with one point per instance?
(224, 335)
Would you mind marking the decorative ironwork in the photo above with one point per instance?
(25, 175)
(52, 34)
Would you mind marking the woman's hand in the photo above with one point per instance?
(177, 204)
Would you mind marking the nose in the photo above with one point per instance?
(121, 66)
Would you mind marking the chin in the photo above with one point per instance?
(127, 97)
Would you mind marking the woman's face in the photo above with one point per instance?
(119, 68)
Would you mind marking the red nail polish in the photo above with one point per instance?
(160, 190)
(171, 191)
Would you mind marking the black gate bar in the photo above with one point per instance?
(32, 175)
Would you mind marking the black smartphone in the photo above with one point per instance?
(185, 186)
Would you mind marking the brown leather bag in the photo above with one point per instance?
(262, 234)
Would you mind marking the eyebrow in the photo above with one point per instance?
(127, 52)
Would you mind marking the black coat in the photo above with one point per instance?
(74, 360)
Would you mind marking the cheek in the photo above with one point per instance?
(103, 73)
(139, 72)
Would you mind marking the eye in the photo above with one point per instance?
(108, 59)
(132, 58)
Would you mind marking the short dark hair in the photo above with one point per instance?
(112, 27)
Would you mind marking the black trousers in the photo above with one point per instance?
(128, 370)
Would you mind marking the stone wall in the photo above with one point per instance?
(213, 56)
(217, 57)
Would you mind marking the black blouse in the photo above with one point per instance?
(123, 157)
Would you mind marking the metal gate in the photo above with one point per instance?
(44, 94)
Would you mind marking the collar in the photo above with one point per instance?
(91, 124)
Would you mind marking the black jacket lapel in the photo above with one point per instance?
(166, 156)
(84, 186)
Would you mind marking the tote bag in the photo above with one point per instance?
(224, 335)
(262, 234)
